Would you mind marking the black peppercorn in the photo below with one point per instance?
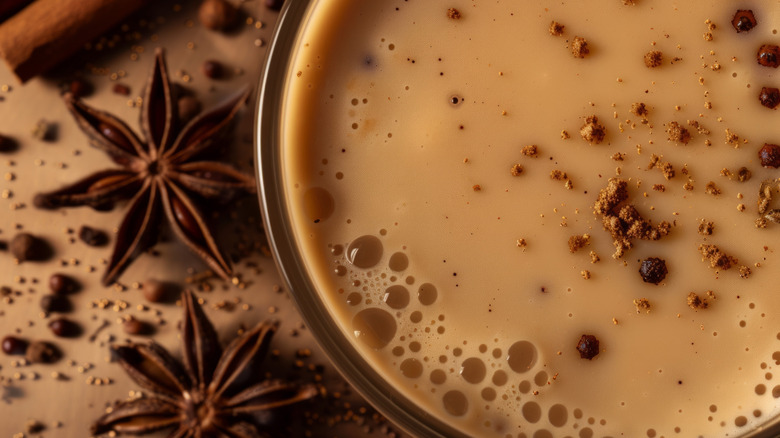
(14, 345)
(653, 270)
(7, 144)
(744, 20)
(23, 247)
(769, 97)
(769, 55)
(62, 284)
(274, 4)
(92, 236)
(42, 352)
(212, 69)
(153, 290)
(64, 328)
(80, 88)
(134, 326)
(769, 155)
(588, 346)
(217, 14)
(54, 303)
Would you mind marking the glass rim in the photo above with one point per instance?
(281, 238)
(289, 261)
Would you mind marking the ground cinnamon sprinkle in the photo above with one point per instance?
(578, 242)
(744, 271)
(516, 170)
(579, 47)
(639, 109)
(625, 223)
(666, 168)
(453, 14)
(530, 151)
(592, 131)
(642, 304)
(558, 175)
(712, 189)
(732, 138)
(677, 133)
(699, 127)
(696, 302)
(556, 29)
(706, 228)
(717, 258)
(653, 59)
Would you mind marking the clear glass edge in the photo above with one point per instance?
(268, 167)
(268, 164)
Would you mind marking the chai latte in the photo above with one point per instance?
(547, 219)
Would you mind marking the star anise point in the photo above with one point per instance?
(206, 395)
(159, 172)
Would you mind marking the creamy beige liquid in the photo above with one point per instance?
(402, 125)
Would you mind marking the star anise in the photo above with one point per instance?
(212, 394)
(160, 172)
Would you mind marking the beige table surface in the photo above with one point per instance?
(67, 396)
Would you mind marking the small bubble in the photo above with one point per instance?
(411, 368)
(455, 403)
(532, 412)
(438, 377)
(500, 378)
(354, 299)
(488, 394)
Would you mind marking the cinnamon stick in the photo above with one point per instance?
(48, 31)
(9, 7)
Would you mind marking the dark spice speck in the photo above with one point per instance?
(653, 270)
(769, 55)
(25, 246)
(769, 155)
(744, 20)
(588, 346)
(14, 345)
(769, 97)
(64, 328)
(42, 352)
(92, 236)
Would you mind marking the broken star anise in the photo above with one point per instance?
(213, 394)
(160, 172)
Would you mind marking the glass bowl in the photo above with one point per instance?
(290, 260)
